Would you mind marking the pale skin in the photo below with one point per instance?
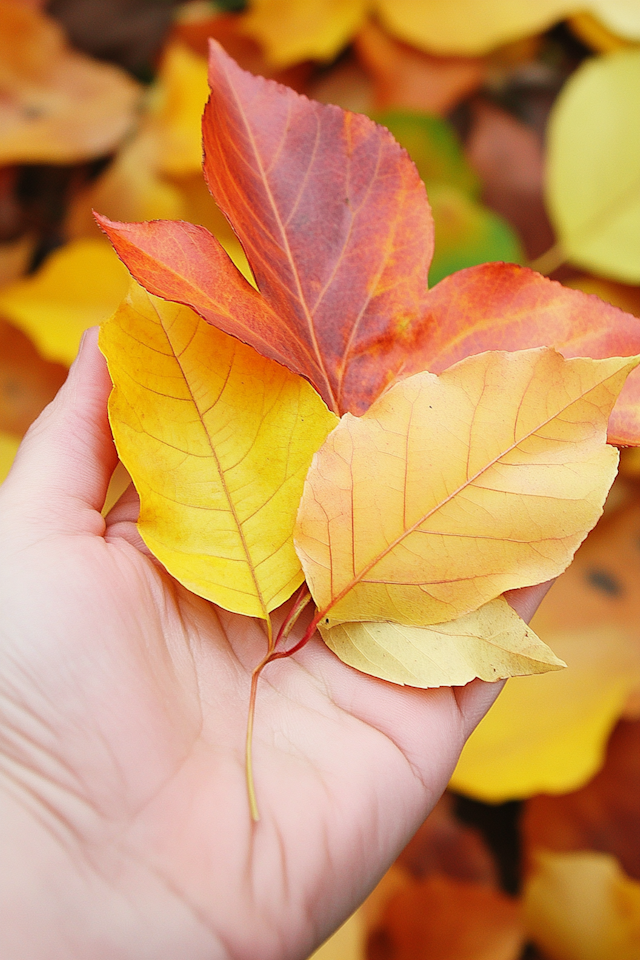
(124, 822)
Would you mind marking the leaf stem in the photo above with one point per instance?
(251, 789)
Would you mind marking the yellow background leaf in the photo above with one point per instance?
(549, 734)
(217, 440)
(581, 906)
(78, 286)
(295, 30)
(452, 489)
(593, 165)
(492, 643)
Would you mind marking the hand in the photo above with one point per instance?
(123, 707)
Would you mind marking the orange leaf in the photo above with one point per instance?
(498, 306)
(336, 226)
(450, 490)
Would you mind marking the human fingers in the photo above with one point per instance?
(62, 469)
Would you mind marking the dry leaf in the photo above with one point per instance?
(217, 440)
(581, 906)
(484, 479)
(492, 643)
(57, 106)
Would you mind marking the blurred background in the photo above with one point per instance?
(524, 122)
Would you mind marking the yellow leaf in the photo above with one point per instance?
(581, 906)
(56, 105)
(8, 449)
(217, 440)
(491, 643)
(78, 286)
(452, 489)
(593, 165)
(295, 30)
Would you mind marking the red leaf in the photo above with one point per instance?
(335, 223)
(497, 306)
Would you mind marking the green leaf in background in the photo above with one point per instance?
(593, 166)
(467, 233)
(434, 148)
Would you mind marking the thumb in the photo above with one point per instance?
(63, 466)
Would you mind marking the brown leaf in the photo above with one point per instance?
(443, 919)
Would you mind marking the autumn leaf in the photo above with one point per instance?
(217, 440)
(492, 643)
(593, 164)
(581, 906)
(78, 285)
(56, 105)
(504, 307)
(452, 489)
(273, 160)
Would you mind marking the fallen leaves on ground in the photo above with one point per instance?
(593, 163)
(548, 734)
(217, 440)
(604, 815)
(423, 922)
(581, 906)
(57, 105)
(79, 285)
(450, 490)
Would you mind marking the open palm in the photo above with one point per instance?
(123, 704)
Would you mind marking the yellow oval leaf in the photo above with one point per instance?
(452, 489)
(492, 643)
(217, 440)
(593, 165)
